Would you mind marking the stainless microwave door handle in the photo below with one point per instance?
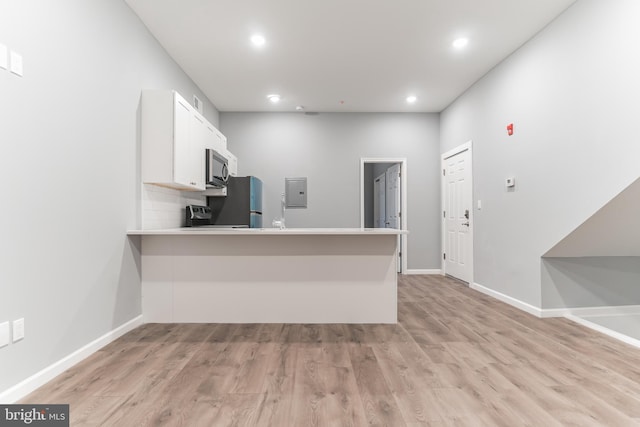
(191, 210)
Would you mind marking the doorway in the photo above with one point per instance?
(383, 198)
(457, 218)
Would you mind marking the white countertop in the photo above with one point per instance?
(191, 231)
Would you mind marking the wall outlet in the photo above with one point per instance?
(18, 330)
(4, 334)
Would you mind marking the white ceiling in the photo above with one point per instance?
(341, 55)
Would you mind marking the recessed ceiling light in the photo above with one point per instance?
(411, 99)
(300, 108)
(274, 98)
(258, 40)
(460, 43)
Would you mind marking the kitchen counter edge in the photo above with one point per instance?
(193, 231)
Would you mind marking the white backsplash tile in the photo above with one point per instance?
(165, 208)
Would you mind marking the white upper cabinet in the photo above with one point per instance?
(215, 139)
(232, 163)
(172, 134)
(199, 128)
(174, 139)
(186, 148)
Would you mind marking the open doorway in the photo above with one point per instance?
(383, 198)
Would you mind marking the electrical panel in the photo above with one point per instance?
(295, 192)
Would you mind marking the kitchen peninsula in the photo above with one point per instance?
(312, 275)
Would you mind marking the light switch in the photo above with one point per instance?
(4, 334)
(16, 63)
(3, 57)
(510, 182)
(479, 204)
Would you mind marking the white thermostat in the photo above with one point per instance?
(510, 182)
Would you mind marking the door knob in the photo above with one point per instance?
(466, 223)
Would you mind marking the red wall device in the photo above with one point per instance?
(510, 129)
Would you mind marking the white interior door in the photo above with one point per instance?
(457, 215)
(392, 208)
(379, 201)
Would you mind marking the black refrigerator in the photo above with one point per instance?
(242, 206)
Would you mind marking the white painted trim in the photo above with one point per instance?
(434, 271)
(567, 312)
(467, 146)
(25, 387)
(459, 149)
(546, 313)
(591, 311)
(619, 310)
(613, 334)
(403, 192)
(536, 311)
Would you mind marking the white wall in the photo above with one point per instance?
(70, 172)
(590, 281)
(612, 231)
(572, 93)
(327, 149)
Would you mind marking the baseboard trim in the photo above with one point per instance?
(557, 312)
(611, 333)
(414, 271)
(591, 311)
(25, 387)
(507, 299)
(554, 312)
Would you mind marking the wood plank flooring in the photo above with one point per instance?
(456, 358)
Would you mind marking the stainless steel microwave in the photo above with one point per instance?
(217, 169)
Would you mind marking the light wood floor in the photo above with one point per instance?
(456, 357)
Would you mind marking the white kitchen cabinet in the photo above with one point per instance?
(232, 163)
(197, 146)
(215, 139)
(173, 135)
